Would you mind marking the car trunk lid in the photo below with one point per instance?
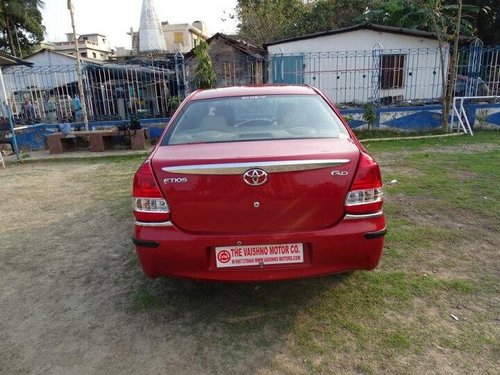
(255, 187)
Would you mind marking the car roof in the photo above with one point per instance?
(254, 91)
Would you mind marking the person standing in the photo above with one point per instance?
(28, 112)
(77, 108)
(51, 110)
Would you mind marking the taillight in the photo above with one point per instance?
(365, 196)
(148, 202)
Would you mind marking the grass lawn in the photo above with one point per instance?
(431, 306)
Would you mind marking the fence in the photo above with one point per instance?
(388, 76)
(115, 91)
(384, 76)
(478, 71)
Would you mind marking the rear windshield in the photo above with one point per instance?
(250, 118)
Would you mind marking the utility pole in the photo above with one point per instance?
(78, 69)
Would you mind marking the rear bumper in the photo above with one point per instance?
(353, 244)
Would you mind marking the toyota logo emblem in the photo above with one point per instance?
(255, 177)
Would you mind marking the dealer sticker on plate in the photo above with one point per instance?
(254, 255)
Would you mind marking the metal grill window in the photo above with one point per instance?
(392, 70)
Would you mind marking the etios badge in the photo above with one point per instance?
(173, 180)
(255, 177)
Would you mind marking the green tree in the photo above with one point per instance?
(325, 15)
(437, 16)
(205, 77)
(487, 20)
(21, 27)
(370, 115)
(263, 21)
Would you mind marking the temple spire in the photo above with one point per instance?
(151, 36)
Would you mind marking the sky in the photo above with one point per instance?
(114, 18)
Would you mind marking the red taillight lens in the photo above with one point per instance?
(366, 192)
(148, 202)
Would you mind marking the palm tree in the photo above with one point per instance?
(21, 24)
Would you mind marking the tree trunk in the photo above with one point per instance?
(16, 34)
(9, 35)
(444, 122)
(453, 69)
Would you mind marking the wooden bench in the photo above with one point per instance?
(99, 140)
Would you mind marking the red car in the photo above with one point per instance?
(257, 183)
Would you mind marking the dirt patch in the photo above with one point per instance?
(74, 300)
(464, 148)
(392, 172)
(455, 231)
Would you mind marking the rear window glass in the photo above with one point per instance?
(250, 118)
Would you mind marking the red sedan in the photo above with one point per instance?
(257, 183)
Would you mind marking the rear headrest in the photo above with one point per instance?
(213, 122)
(289, 114)
(227, 112)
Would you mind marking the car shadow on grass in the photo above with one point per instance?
(241, 327)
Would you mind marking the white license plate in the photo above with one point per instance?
(255, 255)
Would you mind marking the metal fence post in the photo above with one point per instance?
(12, 130)
(180, 74)
(9, 115)
(377, 52)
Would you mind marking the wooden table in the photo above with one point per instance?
(99, 140)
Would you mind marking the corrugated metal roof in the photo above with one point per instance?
(8, 60)
(47, 50)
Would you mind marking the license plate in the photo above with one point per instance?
(256, 255)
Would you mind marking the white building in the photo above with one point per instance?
(362, 63)
(182, 37)
(92, 46)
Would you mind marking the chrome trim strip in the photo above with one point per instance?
(160, 224)
(268, 166)
(365, 216)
